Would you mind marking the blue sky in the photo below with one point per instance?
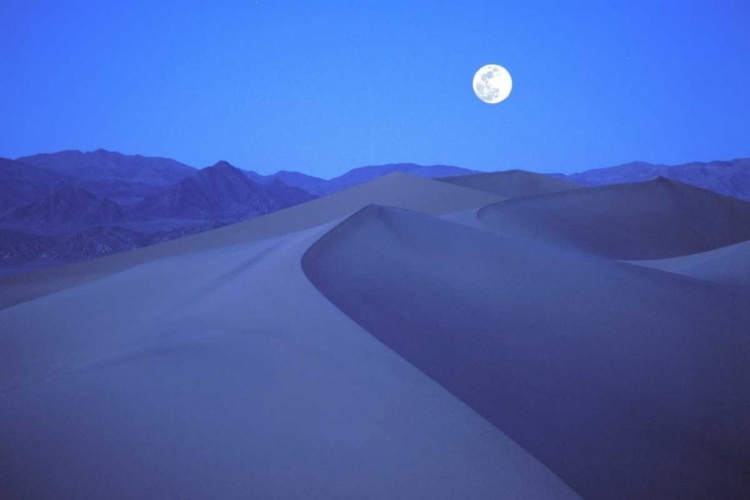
(323, 87)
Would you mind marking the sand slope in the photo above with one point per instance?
(626, 382)
(512, 183)
(400, 190)
(650, 220)
(226, 374)
(727, 265)
(338, 349)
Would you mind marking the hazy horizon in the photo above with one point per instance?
(263, 171)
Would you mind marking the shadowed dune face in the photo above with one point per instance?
(626, 382)
(512, 183)
(651, 220)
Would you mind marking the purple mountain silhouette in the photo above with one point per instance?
(107, 165)
(731, 177)
(119, 191)
(297, 179)
(18, 247)
(221, 192)
(21, 183)
(65, 209)
(71, 205)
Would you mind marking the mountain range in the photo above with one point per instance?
(20, 184)
(731, 177)
(62, 207)
(69, 206)
(65, 209)
(222, 193)
(102, 165)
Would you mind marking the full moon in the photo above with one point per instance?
(492, 83)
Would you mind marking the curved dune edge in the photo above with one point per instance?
(728, 265)
(238, 380)
(512, 183)
(649, 220)
(397, 189)
(625, 382)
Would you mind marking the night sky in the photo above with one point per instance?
(323, 87)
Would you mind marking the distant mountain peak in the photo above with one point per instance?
(223, 164)
(220, 192)
(224, 170)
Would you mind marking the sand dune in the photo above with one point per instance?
(226, 374)
(727, 265)
(338, 349)
(626, 382)
(512, 183)
(650, 220)
(400, 190)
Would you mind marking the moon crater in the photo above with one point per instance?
(492, 83)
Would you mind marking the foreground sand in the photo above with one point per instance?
(345, 350)
(225, 374)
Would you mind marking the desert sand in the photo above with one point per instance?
(512, 183)
(648, 220)
(606, 372)
(406, 338)
(729, 265)
(397, 189)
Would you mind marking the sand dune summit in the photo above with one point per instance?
(404, 338)
(649, 220)
(512, 183)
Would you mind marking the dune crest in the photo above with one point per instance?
(649, 220)
(512, 183)
(397, 189)
(626, 382)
